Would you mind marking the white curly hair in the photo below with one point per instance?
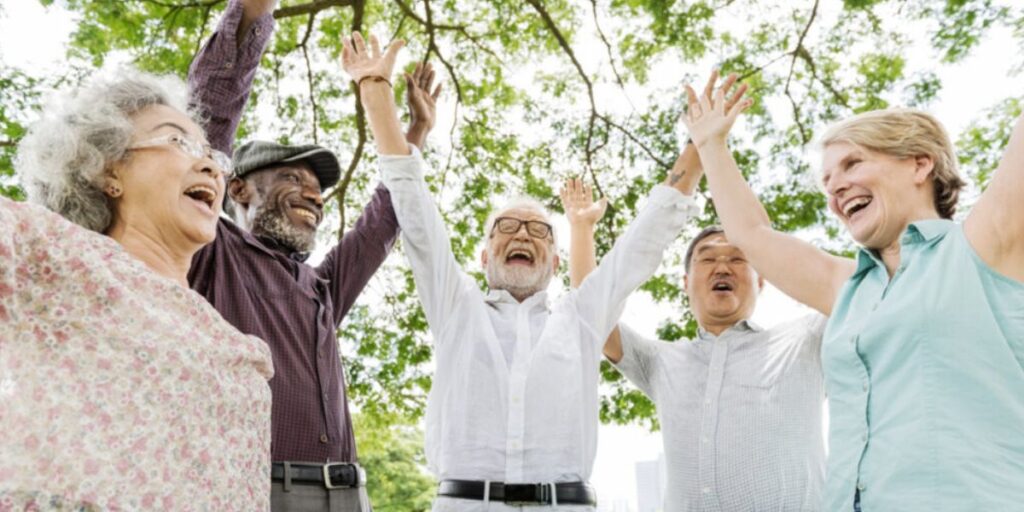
(64, 158)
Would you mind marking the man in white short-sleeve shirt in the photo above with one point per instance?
(740, 406)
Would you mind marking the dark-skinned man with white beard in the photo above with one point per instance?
(255, 274)
(512, 416)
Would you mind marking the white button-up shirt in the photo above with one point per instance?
(514, 397)
(741, 414)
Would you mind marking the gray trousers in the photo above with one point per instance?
(304, 497)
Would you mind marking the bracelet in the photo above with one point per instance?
(375, 78)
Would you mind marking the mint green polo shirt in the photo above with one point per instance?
(925, 379)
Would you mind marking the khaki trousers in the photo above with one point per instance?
(302, 497)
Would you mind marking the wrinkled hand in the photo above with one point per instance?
(422, 103)
(579, 205)
(709, 117)
(359, 62)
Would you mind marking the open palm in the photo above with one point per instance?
(360, 62)
(579, 205)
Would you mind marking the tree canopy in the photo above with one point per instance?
(539, 90)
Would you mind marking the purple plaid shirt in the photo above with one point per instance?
(263, 290)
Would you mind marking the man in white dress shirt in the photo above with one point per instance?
(512, 415)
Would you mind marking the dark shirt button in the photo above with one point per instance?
(323, 438)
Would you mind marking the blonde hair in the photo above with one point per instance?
(906, 133)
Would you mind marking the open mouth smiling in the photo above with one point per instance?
(854, 205)
(519, 257)
(306, 214)
(202, 194)
(722, 285)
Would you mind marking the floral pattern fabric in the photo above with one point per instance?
(119, 389)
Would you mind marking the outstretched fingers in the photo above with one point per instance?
(710, 86)
(358, 43)
(693, 110)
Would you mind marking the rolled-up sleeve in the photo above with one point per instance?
(220, 78)
(639, 358)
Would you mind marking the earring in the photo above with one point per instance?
(114, 191)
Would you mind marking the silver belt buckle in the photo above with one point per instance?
(360, 475)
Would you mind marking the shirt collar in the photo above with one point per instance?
(922, 231)
(747, 325)
(504, 297)
(274, 245)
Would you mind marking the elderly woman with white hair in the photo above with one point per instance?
(924, 351)
(120, 388)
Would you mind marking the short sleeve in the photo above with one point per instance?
(640, 358)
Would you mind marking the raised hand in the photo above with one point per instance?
(709, 117)
(360, 62)
(422, 102)
(579, 205)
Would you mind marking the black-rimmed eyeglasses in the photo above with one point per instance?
(511, 225)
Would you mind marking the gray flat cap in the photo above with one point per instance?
(257, 154)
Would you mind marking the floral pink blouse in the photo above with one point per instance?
(119, 389)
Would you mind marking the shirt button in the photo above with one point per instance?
(229, 65)
(257, 31)
(705, 439)
(707, 402)
(865, 386)
(860, 486)
(706, 490)
(323, 438)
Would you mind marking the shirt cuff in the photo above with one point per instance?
(409, 166)
(669, 197)
(629, 365)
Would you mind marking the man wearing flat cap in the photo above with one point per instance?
(255, 273)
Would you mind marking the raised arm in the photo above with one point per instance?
(632, 260)
(439, 280)
(799, 269)
(995, 226)
(583, 214)
(220, 77)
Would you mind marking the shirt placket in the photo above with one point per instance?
(517, 397)
(708, 461)
(860, 365)
(323, 373)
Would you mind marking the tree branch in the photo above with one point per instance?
(611, 55)
(358, 8)
(589, 149)
(8, 143)
(309, 75)
(804, 136)
(312, 7)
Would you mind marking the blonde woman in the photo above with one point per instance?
(924, 351)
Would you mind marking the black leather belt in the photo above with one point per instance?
(333, 475)
(570, 493)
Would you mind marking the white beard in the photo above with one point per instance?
(520, 281)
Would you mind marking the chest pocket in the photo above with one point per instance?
(758, 364)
